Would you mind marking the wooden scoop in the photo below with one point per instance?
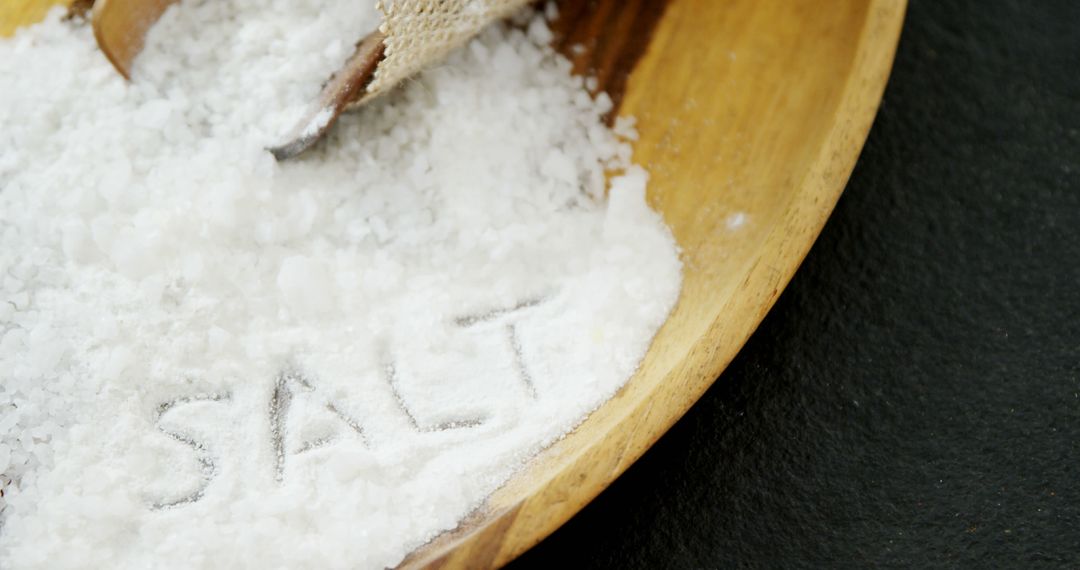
(343, 88)
(120, 27)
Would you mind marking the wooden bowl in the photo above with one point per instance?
(751, 114)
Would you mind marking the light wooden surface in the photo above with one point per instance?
(752, 107)
(15, 13)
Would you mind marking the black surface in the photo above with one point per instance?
(913, 400)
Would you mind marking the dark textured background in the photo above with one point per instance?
(913, 399)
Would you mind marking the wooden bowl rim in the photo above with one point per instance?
(498, 533)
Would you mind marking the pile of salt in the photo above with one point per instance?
(203, 351)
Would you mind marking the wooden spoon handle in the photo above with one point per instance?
(343, 89)
(120, 27)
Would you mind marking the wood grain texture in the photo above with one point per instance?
(757, 107)
(752, 107)
(16, 13)
(605, 39)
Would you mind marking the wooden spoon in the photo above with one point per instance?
(751, 114)
(342, 90)
(120, 28)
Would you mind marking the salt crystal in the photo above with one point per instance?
(318, 122)
(306, 285)
(626, 127)
(12, 343)
(559, 167)
(217, 338)
(119, 359)
(153, 114)
(551, 11)
(9, 420)
(539, 32)
(20, 300)
(736, 220)
(77, 243)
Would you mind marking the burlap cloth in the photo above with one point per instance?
(422, 32)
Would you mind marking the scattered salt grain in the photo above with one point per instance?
(318, 122)
(551, 11)
(736, 220)
(625, 128)
(592, 84)
(212, 360)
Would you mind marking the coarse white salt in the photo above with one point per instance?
(212, 360)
